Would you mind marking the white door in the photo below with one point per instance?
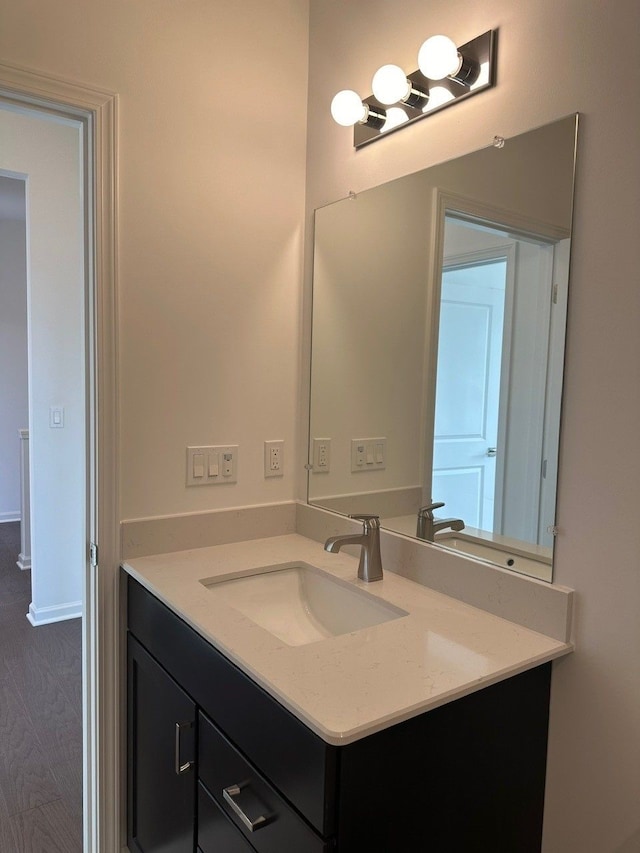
(470, 355)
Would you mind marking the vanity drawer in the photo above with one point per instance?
(216, 834)
(246, 797)
(298, 762)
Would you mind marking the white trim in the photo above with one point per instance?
(102, 717)
(55, 613)
(24, 562)
(519, 226)
(6, 517)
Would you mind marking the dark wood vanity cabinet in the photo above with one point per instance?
(161, 752)
(467, 776)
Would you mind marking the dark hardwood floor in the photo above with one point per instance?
(40, 719)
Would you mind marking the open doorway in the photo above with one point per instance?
(30, 93)
(46, 151)
(44, 292)
(14, 403)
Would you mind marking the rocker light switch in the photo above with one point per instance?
(198, 465)
(56, 417)
(210, 466)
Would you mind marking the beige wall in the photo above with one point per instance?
(554, 58)
(212, 117)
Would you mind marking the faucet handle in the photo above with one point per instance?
(429, 508)
(370, 521)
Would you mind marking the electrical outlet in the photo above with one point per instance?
(321, 455)
(274, 458)
(213, 465)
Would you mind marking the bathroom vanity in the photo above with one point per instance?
(424, 730)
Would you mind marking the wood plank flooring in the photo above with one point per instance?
(40, 719)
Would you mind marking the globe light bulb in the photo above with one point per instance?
(347, 108)
(438, 58)
(390, 85)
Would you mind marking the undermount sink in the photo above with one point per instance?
(301, 604)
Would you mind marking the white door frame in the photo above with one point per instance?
(97, 110)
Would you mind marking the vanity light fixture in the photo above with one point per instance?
(446, 74)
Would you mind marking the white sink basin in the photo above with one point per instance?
(301, 604)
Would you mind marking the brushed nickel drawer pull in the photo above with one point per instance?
(229, 794)
(181, 768)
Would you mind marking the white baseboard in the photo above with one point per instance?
(24, 562)
(56, 613)
(9, 516)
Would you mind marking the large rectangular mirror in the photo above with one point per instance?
(439, 315)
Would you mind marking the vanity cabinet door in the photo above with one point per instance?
(161, 721)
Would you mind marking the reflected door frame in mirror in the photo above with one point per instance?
(513, 226)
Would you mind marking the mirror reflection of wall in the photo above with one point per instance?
(438, 339)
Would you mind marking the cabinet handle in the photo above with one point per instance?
(181, 768)
(229, 794)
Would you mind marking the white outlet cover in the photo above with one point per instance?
(272, 448)
(321, 455)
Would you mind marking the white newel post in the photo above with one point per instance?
(24, 559)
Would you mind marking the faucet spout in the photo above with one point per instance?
(334, 543)
(429, 525)
(370, 565)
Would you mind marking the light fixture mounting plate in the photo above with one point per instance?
(481, 49)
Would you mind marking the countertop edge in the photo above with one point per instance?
(343, 738)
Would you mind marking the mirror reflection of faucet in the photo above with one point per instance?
(429, 525)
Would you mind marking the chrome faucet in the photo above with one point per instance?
(370, 566)
(428, 525)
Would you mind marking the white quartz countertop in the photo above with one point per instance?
(349, 686)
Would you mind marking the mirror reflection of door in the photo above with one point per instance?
(489, 427)
(470, 355)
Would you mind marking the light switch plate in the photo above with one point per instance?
(56, 417)
(212, 465)
(368, 454)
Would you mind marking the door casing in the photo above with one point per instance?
(101, 653)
